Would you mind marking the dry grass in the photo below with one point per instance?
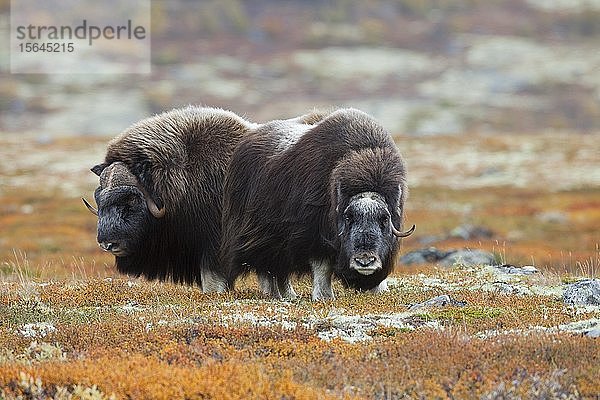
(148, 340)
(71, 328)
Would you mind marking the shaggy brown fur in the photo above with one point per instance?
(179, 158)
(288, 184)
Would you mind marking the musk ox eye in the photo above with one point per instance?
(383, 220)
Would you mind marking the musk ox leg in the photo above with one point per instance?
(278, 288)
(321, 273)
(212, 281)
(268, 285)
(285, 288)
(381, 288)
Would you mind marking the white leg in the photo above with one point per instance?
(382, 287)
(212, 282)
(321, 273)
(285, 289)
(268, 285)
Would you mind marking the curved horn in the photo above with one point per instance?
(154, 210)
(90, 207)
(403, 234)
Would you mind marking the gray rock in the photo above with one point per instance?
(504, 288)
(448, 258)
(553, 217)
(585, 292)
(438, 301)
(424, 256)
(588, 327)
(468, 258)
(514, 270)
(594, 333)
(468, 231)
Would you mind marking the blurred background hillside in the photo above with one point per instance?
(422, 67)
(450, 79)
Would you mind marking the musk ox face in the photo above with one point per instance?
(367, 240)
(125, 210)
(366, 236)
(123, 219)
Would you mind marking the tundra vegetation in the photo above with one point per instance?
(72, 327)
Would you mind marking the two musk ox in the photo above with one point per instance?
(200, 195)
(159, 199)
(325, 198)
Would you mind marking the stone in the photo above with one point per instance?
(468, 231)
(514, 270)
(553, 217)
(585, 327)
(448, 258)
(593, 333)
(424, 256)
(585, 292)
(468, 258)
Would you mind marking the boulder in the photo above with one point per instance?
(448, 258)
(585, 292)
(424, 256)
(468, 232)
(468, 258)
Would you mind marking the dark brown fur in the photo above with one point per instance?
(180, 158)
(282, 198)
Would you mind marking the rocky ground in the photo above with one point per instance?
(496, 295)
(456, 332)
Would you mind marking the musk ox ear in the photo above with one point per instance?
(97, 169)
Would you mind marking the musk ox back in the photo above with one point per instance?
(323, 198)
(160, 194)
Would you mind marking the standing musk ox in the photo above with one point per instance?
(324, 198)
(160, 194)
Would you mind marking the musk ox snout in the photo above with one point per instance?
(365, 263)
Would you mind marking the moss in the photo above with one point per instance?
(571, 279)
(466, 314)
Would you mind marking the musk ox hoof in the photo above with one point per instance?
(277, 288)
(319, 295)
(212, 282)
(381, 288)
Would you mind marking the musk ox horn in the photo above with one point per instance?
(90, 207)
(154, 210)
(403, 234)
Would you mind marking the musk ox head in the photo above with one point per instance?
(367, 235)
(125, 210)
(367, 195)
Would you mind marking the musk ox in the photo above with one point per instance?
(160, 193)
(326, 198)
